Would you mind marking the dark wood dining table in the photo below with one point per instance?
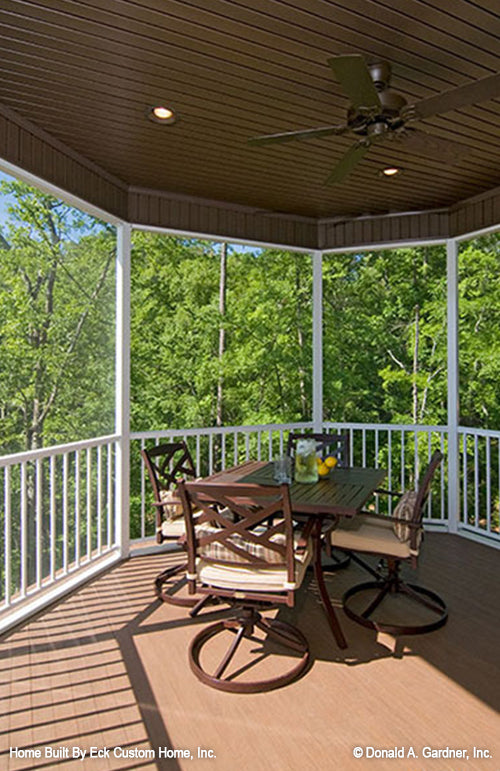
(342, 494)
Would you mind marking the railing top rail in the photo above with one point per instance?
(479, 432)
(56, 449)
(386, 426)
(217, 430)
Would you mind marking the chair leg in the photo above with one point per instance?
(377, 600)
(339, 560)
(394, 585)
(201, 604)
(230, 653)
(168, 595)
(282, 633)
(277, 631)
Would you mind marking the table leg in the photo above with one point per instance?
(325, 599)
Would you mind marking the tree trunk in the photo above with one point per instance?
(300, 340)
(415, 364)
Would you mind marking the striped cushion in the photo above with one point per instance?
(405, 510)
(244, 579)
(173, 507)
(219, 552)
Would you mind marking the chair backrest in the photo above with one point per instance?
(424, 485)
(423, 491)
(336, 445)
(230, 527)
(166, 464)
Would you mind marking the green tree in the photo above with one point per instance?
(56, 322)
(177, 363)
(385, 336)
(479, 332)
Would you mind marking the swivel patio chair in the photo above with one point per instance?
(395, 539)
(251, 566)
(166, 464)
(338, 446)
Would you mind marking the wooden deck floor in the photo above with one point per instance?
(107, 668)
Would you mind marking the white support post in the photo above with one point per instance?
(317, 342)
(122, 400)
(453, 394)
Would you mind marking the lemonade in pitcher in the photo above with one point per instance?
(306, 468)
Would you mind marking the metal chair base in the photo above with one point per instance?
(390, 586)
(243, 626)
(335, 560)
(169, 596)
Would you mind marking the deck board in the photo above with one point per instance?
(107, 666)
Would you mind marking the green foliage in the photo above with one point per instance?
(384, 331)
(266, 366)
(479, 338)
(385, 336)
(56, 322)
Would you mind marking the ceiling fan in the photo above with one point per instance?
(377, 114)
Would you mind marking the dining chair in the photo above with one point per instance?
(338, 446)
(252, 566)
(166, 464)
(396, 539)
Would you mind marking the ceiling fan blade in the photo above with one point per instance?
(347, 163)
(435, 147)
(354, 77)
(472, 93)
(289, 136)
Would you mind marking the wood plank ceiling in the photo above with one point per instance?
(86, 70)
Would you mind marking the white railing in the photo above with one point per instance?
(404, 451)
(212, 449)
(58, 508)
(401, 449)
(57, 515)
(480, 482)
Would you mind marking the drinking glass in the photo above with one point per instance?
(283, 469)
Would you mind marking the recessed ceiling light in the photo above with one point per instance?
(391, 171)
(161, 114)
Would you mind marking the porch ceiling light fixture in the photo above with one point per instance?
(391, 171)
(161, 114)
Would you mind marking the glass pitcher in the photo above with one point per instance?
(306, 468)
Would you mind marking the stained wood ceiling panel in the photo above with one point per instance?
(86, 70)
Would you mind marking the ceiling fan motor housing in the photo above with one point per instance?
(392, 103)
(380, 73)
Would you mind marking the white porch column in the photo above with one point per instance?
(317, 342)
(453, 396)
(122, 398)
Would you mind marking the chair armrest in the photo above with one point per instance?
(381, 491)
(388, 518)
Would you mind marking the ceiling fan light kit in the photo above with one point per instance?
(376, 113)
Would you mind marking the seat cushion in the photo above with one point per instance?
(172, 528)
(172, 506)
(248, 579)
(175, 526)
(370, 534)
(405, 510)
